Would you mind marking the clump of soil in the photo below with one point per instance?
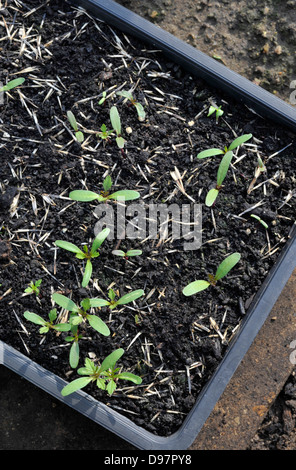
(174, 343)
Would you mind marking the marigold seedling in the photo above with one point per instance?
(218, 111)
(221, 174)
(88, 196)
(215, 151)
(72, 120)
(139, 107)
(127, 254)
(86, 253)
(265, 225)
(104, 134)
(103, 99)
(33, 288)
(13, 84)
(116, 124)
(79, 314)
(112, 303)
(47, 325)
(106, 375)
(222, 270)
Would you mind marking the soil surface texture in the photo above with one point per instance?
(257, 39)
(173, 342)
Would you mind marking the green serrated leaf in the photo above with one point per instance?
(107, 183)
(101, 383)
(111, 387)
(52, 314)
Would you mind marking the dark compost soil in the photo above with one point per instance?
(68, 59)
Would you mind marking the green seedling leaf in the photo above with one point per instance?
(97, 324)
(12, 84)
(210, 153)
(239, 141)
(34, 318)
(64, 302)
(69, 247)
(77, 384)
(103, 99)
(79, 136)
(62, 327)
(125, 94)
(98, 302)
(218, 111)
(107, 183)
(87, 273)
(74, 355)
(223, 167)
(260, 220)
(195, 286)
(141, 112)
(131, 377)
(127, 298)
(111, 294)
(115, 120)
(72, 120)
(134, 252)
(120, 142)
(226, 265)
(83, 195)
(100, 238)
(110, 361)
(125, 194)
(118, 253)
(211, 197)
